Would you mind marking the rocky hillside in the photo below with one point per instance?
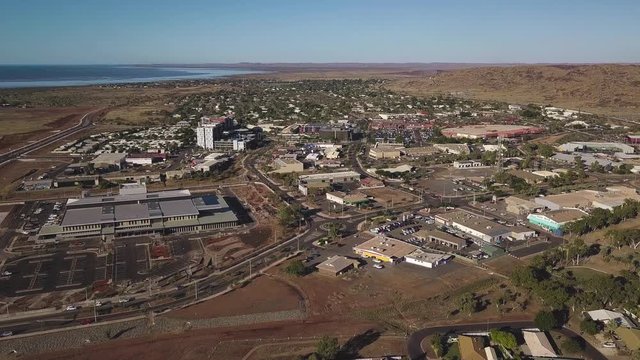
(608, 88)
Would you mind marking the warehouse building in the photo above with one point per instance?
(385, 249)
(425, 259)
(384, 152)
(474, 225)
(455, 149)
(441, 238)
(490, 131)
(136, 212)
(585, 199)
(109, 161)
(596, 146)
(555, 220)
(324, 180)
(351, 199)
(285, 165)
(336, 265)
(519, 206)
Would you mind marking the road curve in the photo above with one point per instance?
(414, 343)
(82, 124)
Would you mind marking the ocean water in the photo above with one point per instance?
(21, 76)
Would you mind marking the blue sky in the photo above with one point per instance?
(198, 31)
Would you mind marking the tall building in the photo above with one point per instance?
(211, 129)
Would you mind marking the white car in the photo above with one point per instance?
(71, 308)
(7, 273)
(378, 266)
(6, 333)
(377, 261)
(609, 344)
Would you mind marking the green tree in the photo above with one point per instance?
(589, 326)
(545, 320)
(437, 344)
(467, 303)
(332, 231)
(327, 348)
(504, 338)
(571, 346)
(295, 268)
(289, 215)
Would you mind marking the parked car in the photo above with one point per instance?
(378, 266)
(71, 308)
(6, 333)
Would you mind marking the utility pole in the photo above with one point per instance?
(95, 314)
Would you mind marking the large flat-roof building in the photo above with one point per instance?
(489, 131)
(442, 238)
(384, 152)
(596, 146)
(109, 161)
(519, 206)
(351, 199)
(474, 225)
(586, 199)
(286, 165)
(426, 259)
(336, 265)
(455, 149)
(555, 220)
(136, 212)
(385, 249)
(325, 180)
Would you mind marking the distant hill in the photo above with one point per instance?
(611, 89)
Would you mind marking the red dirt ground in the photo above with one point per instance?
(274, 295)
(205, 344)
(64, 118)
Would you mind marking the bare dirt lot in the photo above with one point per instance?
(18, 126)
(265, 294)
(388, 196)
(223, 344)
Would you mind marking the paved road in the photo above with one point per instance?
(414, 342)
(84, 122)
(221, 280)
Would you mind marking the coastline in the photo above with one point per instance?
(187, 75)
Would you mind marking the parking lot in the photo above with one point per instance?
(39, 213)
(54, 272)
(131, 260)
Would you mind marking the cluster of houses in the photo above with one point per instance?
(477, 346)
(157, 139)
